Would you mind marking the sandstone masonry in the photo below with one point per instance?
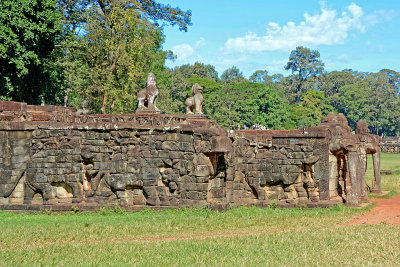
(53, 157)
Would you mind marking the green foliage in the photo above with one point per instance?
(116, 53)
(260, 76)
(198, 70)
(208, 84)
(330, 82)
(247, 103)
(183, 78)
(373, 99)
(232, 76)
(311, 109)
(353, 102)
(393, 78)
(29, 34)
(107, 62)
(159, 12)
(102, 51)
(306, 63)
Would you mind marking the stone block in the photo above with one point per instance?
(170, 145)
(5, 176)
(203, 171)
(150, 173)
(276, 168)
(185, 138)
(202, 179)
(217, 193)
(176, 155)
(159, 137)
(293, 169)
(216, 182)
(4, 201)
(186, 147)
(265, 166)
(188, 156)
(221, 144)
(277, 177)
(195, 195)
(13, 200)
(202, 146)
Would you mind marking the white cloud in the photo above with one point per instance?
(186, 53)
(326, 28)
(183, 51)
(200, 43)
(381, 15)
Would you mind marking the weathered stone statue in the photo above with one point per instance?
(148, 96)
(84, 108)
(196, 101)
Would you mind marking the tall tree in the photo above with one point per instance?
(353, 101)
(372, 99)
(384, 104)
(311, 109)
(29, 34)
(393, 78)
(198, 70)
(305, 63)
(120, 42)
(232, 76)
(329, 83)
(247, 103)
(260, 76)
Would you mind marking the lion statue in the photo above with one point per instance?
(148, 96)
(196, 101)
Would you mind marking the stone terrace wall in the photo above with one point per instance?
(20, 112)
(285, 166)
(53, 157)
(390, 144)
(141, 162)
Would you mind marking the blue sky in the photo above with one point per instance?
(259, 34)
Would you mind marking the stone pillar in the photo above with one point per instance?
(333, 175)
(361, 175)
(376, 182)
(353, 193)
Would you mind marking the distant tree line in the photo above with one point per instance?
(67, 51)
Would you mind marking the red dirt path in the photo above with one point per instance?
(387, 210)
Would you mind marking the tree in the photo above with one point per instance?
(306, 63)
(260, 76)
(311, 109)
(353, 102)
(179, 90)
(247, 103)
(74, 12)
(383, 104)
(120, 44)
(183, 77)
(29, 34)
(394, 78)
(232, 76)
(208, 85)
(198, 70)
(373, 99)
(330, 83)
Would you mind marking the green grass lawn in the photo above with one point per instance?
(200, 237)
(389, 182)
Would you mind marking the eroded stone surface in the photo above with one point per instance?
(175, 160)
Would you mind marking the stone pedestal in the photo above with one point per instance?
(146, 110)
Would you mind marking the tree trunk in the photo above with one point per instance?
(103, 106)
